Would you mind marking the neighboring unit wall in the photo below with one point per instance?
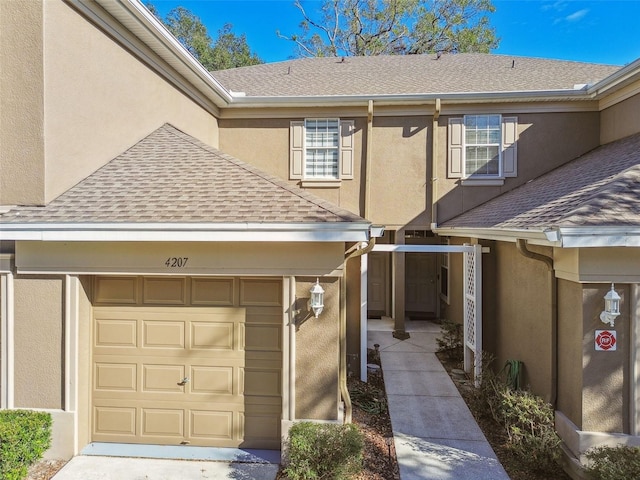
(605, 377)
(39, 331)
(622, 119)
(542, 146)
(73, 99)
(523, 323)
(570, 350)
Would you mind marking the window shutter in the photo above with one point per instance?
(510, 146)
(347, 130)
(296, 154)
(456, 148)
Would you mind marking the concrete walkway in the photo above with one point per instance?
(436, 437)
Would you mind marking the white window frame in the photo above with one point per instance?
(467, 145)
(322, 147)
(299, 153)
(507, 151)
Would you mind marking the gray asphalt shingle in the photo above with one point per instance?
(410, 74)
(170, 177)
(600, 188)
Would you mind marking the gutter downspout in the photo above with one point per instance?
(344, 390)
(367, 162)
(521, 245)
(434, 164)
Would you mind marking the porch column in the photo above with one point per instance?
(398, 280)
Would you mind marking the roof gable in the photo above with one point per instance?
(170, 177)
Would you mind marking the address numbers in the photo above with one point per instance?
(176, 262)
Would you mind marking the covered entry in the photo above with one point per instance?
(187, 360)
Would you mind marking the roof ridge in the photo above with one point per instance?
(319, 202)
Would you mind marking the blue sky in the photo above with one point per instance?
(603, 31)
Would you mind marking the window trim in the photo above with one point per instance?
(298, 153)
(456, 152)
(482, 176)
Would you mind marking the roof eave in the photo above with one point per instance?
(244, 101)
(619, 79)
(186, 232)
(563, 237)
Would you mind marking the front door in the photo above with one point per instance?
(420, 285)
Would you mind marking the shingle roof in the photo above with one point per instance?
(600, 188)
(410, 74)
(170, 177)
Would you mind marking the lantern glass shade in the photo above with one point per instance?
(317, 299)
(612, 302)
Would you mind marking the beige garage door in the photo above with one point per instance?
(188, 374)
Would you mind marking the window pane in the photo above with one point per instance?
(482, 144)
(322, 148)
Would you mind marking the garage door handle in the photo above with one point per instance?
(184, 381)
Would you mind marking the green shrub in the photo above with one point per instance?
(529, 422)
(614, 463)
(451, 341)
(24, 437)
(323, 451)
(526, 418)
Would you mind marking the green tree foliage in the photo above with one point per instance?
(395, 27)
(228, 50)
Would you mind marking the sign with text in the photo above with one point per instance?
(606, 340)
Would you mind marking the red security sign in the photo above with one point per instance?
(606, 340)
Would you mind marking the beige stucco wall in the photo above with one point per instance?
(77, 99)
(570, 350)
(21, 103)
(317, 352)
(605, 375)
(523, 315)
(399, 168)
(543, 145)
(39, 342)
(621, 119)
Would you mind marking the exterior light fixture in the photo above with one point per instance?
(317, 298)
(611, 307)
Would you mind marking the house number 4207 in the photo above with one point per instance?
(176, 262)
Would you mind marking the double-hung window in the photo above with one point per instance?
(322, 148)
(321, 151)
(483, 148)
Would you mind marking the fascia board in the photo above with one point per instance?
(588, 237)
(627, 73)
(535, 237)
(241, 101)
(563, 237)
(247, 232)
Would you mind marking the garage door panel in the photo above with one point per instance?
(162, 378)
(263, 338)
(162, 422)
(163, 334)
(116, 376)
(214, 336)
(114, 421)
(116, 333)
(213, 425)
(213, 380)
(231, 358)
(261, 382)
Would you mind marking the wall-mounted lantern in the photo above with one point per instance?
(611, 307)
(317, 298)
